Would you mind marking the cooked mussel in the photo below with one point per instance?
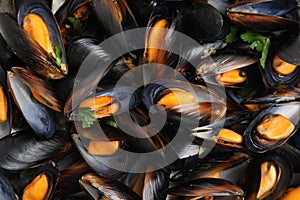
(269, 177)
(263, 16)
(5, 107)
(38, 116)
(37, 20)
(102, 164)
(187, 99)
(291, 194)
(282, 65)
(231, 69)
(272, 127)
(27, 49)
(42, 184)
(155, 35)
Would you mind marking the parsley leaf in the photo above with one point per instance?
(86, 116)
(76, 24)
(58, 55)
(112, 124)
(258, 42)
(232, 36)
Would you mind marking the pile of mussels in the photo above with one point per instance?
(223, 76)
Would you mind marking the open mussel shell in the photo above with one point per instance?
(101, 164)
(229, 69)
(27, 49)
(227, 132)
(216, 162)
(272, 127)
(263, 16)
(282, 64)
(188, 99)
(108, 102)
(35, 17)
(267, 176)
(5, 110)
(38, 116)
(42, 184)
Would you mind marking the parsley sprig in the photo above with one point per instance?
(86, 116)
(257, 41)
(76, 25)
(58, 55)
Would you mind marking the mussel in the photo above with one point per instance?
(37, 20)
(38, 116)
(28, 50)
(5, 110)
(282, 65)
(230, 69)
(263, 15)
(272, 127)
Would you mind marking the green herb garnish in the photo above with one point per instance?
(58, 55)
(232, 36)
(86, 116)
(244, 92)
(46, 101)
(76, 24)
(112, 123)
(33, 99)
(201, 150)
(258, 42)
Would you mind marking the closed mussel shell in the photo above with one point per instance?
(38, 116)
(263, 16)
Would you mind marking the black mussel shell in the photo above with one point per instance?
(261, 142)
(47, 173)
(38, 116)
(27, 49)
(6, 115)
(97, 186)
(263, 16)
(158, 89)
(202, 22)
(38, 8)
(280, 94)
(25, 150)
(206, 187)
(6, 191)
(283, 51)
(43, 89)
(102, 164)
(211, 68)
